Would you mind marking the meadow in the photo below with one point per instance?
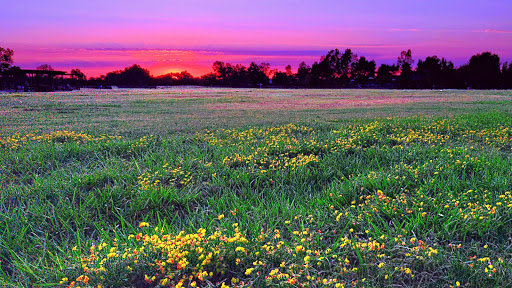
(210, 187)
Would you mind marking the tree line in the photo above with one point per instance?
(336, 69)
(347, 70)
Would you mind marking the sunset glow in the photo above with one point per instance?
(171, 36)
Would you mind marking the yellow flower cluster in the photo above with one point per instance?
(61, 136)
(291, 146)
(269, 149)
(177, 177)
(141, 143)
(196, 259)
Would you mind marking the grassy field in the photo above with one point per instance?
(207, 187)
(180, 110)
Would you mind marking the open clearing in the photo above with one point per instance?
(210, 187)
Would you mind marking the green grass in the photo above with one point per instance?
(432, 192)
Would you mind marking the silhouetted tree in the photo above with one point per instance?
(405, 58)
(320, 74)
(462, 77)
(405, 62)
(258, 74)
(506, 76)
(484, 71)
(304, 75)
(78, 74)
(385, 74)
(230, 75)
(133, 76)
(288, 70)
(237, 75)
(209, 79)
(448, 75)
(171, 79)
(344, 67)
(219, 70)
(228, 72)
(362, 70)
(184, 75)
(45, 67)
(333, 69)
(6, 61)
(281, 79)
(429, 72)
(265, 68)
(240, 76)
(328, 68)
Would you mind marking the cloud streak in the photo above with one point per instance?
(493, 31)
(405, 29)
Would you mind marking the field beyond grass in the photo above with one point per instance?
(204, 188)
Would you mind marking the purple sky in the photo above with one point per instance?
(169, 36)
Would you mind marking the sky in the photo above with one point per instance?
(171, 36)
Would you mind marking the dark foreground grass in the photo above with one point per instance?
(414, 202)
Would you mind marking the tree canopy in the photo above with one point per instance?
(6, 58)
(45, 67)
(78, 74)
(484, 70)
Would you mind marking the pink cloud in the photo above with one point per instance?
(405, 30)
(493, 31)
